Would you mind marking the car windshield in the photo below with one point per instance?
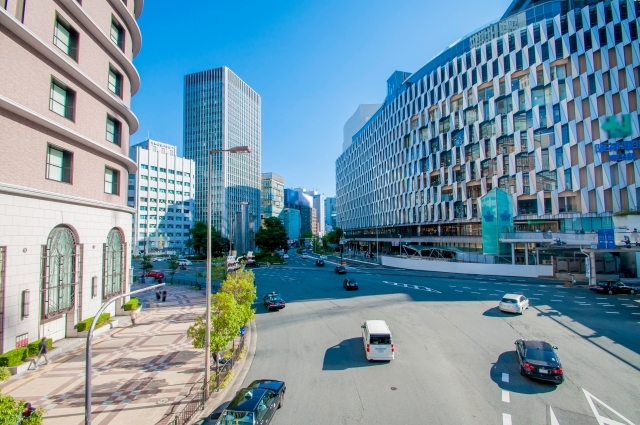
(234, 418)
(275, 298)
(509, 301)
(380, 339)
(540, 355)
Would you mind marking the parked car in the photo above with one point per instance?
(285, 257)
(612, 287)
(514, 303)
(538, 360)
(304, 256)
(320, 263)
(157, 274)
(184, 262)
(377, 341)
(340, 270)
(256, 404)
(252, 265)
(158, 260)
(350, 284)
(273, 301)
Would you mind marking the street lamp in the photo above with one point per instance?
(207, 335)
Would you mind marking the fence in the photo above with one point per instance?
(197, 403)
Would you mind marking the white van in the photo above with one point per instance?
(377, 340)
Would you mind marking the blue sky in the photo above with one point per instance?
(312, 62)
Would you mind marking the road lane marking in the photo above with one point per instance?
(452, 286)
(505, 377)
(506, 419)
(534, 298)
(623, 299)
(635, 313)
(505, 396)
(578, 297)
(612, 312)
(457, 290)
(476, 293)
(481, 289)
(538, 294)
(601, 298)
(559, 301)
(559, 296)
(497, 295)
(465, 287)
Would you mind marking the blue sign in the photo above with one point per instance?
(614, 146)
(606, 239)
(629, 156)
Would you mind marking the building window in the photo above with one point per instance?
(111, 178)
(66, 38)
(61, 258)
(117, 34)
(62, 100)
(144, 166)
(113, 264)
(59, 164)
(113, 130)
(115, 82)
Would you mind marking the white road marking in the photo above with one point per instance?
(534, 298)
(635, 313)
(578, 297)
(623, 299)
(626, 305)
(481, 289)
(505, 396)
(554, 420)
(603, 420)
(612, 312)
(538, 294)
(452, 286)
(465, 287)
(559, 296)
(505, 377)
(601, 298)
(506, 419)
(491, 278)
(476, 293)
(457, 290)
(557, 300)
(497, 295)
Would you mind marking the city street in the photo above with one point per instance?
(455, 361)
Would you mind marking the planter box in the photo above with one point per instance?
(15, 370)
(100, 330)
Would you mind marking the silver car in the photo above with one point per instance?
(514, 303)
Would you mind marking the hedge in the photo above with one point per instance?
(132, 304)
(86, 323)
(33, 347)
(14, 357)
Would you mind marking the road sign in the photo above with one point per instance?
(606, 239)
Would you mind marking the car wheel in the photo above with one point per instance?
(632, 292)
(281, 401)
(521, 371)
(610, 292)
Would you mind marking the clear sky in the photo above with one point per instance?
(312, 62)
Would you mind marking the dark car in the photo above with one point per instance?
(538, 360)
(273, 301)
(350, 284)
(252, 265)
(320, 262)
(255, 405)
(340, 270)
(155, 274)
(612, 287)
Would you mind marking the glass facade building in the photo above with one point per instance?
(221, 111)
(541, 104)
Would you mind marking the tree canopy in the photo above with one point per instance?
(334, 236)
(198, 240)
(272, 235)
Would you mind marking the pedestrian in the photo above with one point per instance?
(164, 295)
(582, 231)
(132, 315)
(157, 295)
(42, 352)
(28, 410)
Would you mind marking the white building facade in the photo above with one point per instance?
(542, 104)
(162, 192)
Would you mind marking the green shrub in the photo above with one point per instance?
(4, 374)
(13, 357)
(132, 304)
(33, 347)
(86, 323)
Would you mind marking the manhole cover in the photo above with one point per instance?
(162, 401)
(393, 388)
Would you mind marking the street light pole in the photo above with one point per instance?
(207, 334)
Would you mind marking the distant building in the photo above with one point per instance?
(271, 195)
(291, 219)
(318, 206)
(162, 193)
(357, 121)
(330, 213)
(220, 112)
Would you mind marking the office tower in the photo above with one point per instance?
(220, 112)
(330, 213)
(272, 195)
(291, 220)
(162, 192)
(65, 114)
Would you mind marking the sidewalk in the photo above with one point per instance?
(140, 375)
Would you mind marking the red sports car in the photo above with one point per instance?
(155, 274)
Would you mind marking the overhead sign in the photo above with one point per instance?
(606, 239)
(616, 129)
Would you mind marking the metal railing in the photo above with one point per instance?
(195, 404)
(223, 371)
(580, 238)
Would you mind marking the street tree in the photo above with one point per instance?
(272, 235)
(11, 412)
(173, 266)
(198, 240)
(146, 265)
(241, 285)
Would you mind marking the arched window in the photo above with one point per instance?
(61, 270)
(113, 264)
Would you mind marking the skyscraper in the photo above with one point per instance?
(220, 112)
(272, 192)
(330, 213)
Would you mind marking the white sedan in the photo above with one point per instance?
(285, 256)
(184, 262)
(514, 303)
(304, 256)
(158, 260)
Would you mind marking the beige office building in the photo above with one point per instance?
(65, 120)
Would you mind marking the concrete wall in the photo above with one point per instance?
(468, 268)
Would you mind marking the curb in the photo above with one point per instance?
(218, 398)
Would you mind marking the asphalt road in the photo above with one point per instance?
(455, 361)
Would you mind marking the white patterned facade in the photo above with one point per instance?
(519, 105)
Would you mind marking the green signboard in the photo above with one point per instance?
(497, 217)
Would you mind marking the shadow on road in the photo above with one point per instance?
(507, 363)
(348, 354)
(495, 312)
